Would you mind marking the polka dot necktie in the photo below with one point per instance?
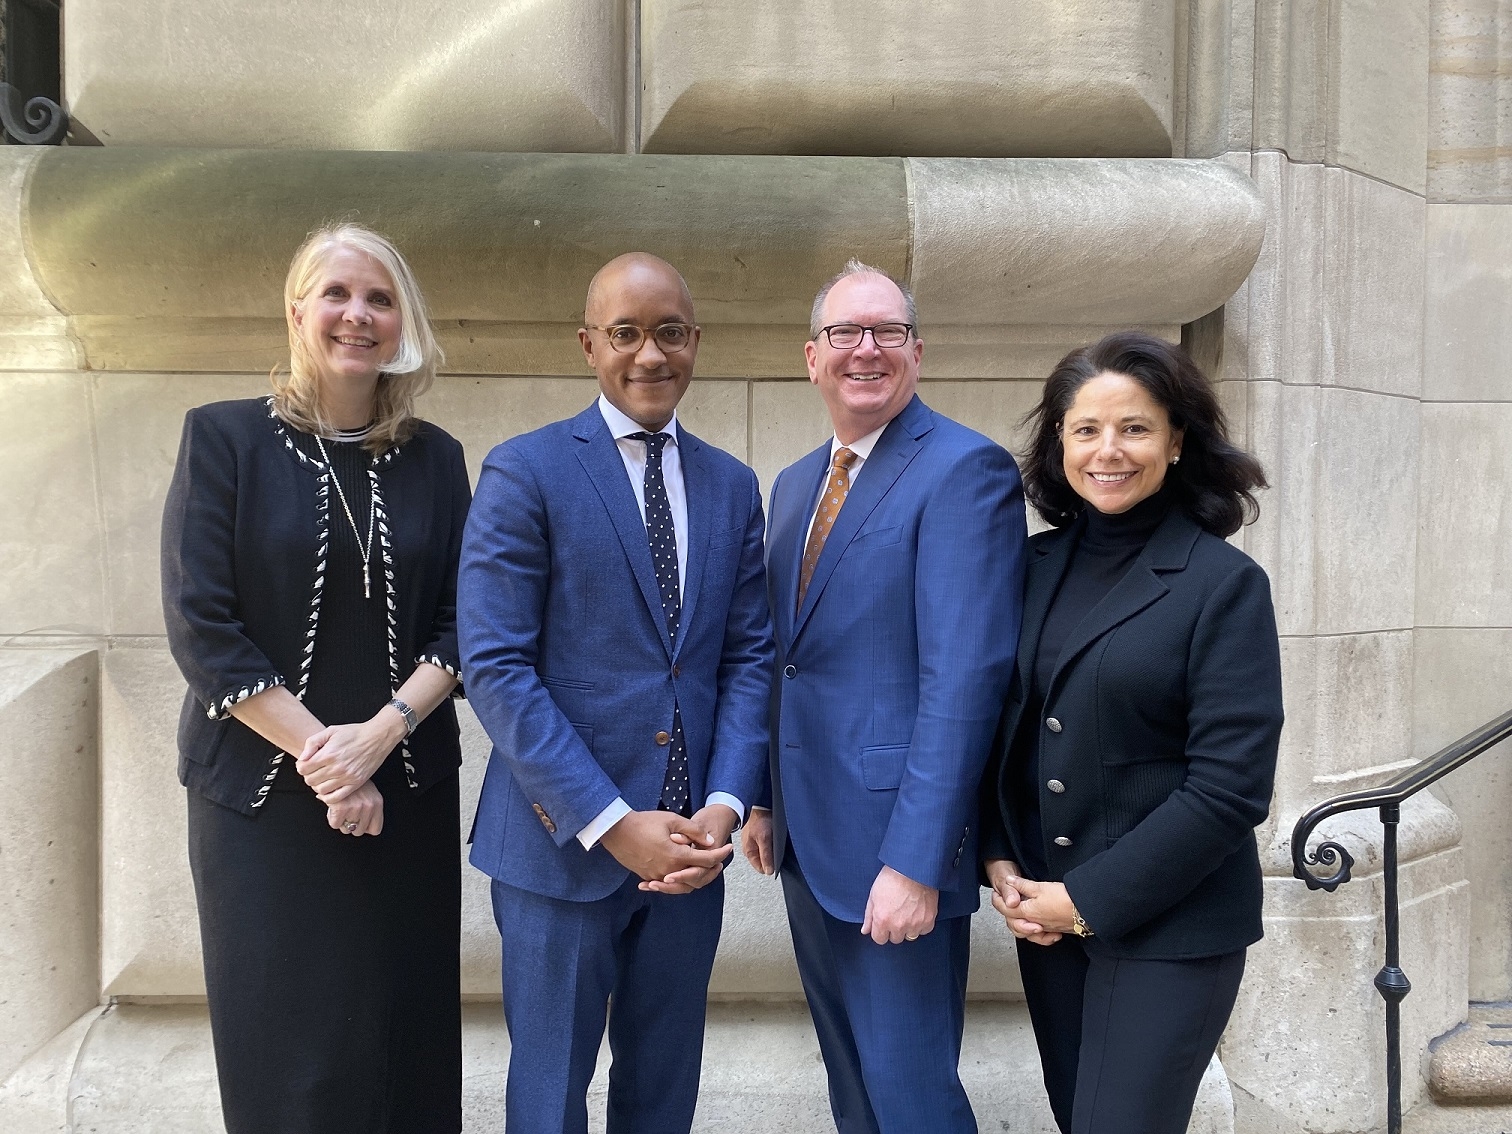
(662, 537)
(830, 504)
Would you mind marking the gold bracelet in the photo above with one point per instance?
(1079, 926)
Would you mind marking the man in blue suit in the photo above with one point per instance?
(616, 646)
(895, 570)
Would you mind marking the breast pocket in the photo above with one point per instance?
(727, 537)
(875, 540)
(882, 766)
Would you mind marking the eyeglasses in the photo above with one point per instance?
(848, 336)
(627, 338)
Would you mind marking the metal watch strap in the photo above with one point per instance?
(1079, 926)
(411, 721)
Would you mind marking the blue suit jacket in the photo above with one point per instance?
(891, 675)
(566, 656)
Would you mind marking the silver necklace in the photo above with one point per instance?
(365, 549)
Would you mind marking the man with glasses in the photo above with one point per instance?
(617, 648)
(895, 567)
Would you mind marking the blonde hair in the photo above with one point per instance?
(296, 391)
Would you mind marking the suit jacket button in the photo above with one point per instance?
(1056, 786)
(664, 738)
(544, 818)
(790, 671)
(677, 671)
(1052, 724)
(1062, 841)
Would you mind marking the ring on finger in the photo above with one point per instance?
(349, 826)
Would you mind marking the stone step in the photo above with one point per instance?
(1473, 1063)
(148, 1069)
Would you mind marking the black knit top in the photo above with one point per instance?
(1107, 549)
(349, 677)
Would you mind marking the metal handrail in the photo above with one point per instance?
(1390, 982)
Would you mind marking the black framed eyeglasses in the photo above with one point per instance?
(627, 338)
(848, 336)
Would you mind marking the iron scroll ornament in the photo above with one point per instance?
(40, 122)
(1326, 854)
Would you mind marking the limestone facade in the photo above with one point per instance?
(1312, 193)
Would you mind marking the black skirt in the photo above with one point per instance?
(332, 964)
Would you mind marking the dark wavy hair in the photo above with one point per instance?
(1215, 479)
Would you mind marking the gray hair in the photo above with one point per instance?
(854, 267)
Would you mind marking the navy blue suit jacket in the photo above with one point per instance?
(566, 655)
(891, 675)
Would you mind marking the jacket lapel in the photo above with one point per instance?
(788, 531)
(699, 494)
(1167, 550)
(899, 444)
(600, 458)
(1042, 579)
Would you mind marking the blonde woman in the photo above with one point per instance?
(310, 545)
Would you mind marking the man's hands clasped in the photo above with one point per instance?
(670, 854)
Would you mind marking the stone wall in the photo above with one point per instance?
(1354, 152)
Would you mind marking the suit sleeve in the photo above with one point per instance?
(738, 759)
(441, 648)
(200, 605)
(501, 601)
(1233, 735)
(762, 797)
(968, 596)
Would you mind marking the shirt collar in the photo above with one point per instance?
(861, 447)
(622, 426)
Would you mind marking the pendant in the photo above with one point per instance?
(367, 590)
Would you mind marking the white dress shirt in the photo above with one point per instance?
(633, 453)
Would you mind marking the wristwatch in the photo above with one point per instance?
(411, 721)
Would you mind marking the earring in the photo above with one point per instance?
(1176, 460)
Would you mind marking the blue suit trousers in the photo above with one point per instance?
(881, 1009)
(562, 961)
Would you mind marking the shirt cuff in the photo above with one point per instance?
(608, 817)
(729, 801)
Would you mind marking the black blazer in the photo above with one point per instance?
(243, 567)
(1166, 711)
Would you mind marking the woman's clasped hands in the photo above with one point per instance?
(337, 764)
(1039, 912)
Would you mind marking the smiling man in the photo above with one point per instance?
(895, 568)
(617, 648)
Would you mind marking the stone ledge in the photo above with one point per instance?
(1474, 1062)
(174, 259)
(149, 1070)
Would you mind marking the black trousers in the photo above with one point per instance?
(1124, 1043)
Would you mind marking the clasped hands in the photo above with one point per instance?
(670, 854)
(337, 764)
(1039, 912)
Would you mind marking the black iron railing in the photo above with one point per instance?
(1391, 982)
(31, 87)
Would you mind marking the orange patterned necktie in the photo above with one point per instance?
(829, 507)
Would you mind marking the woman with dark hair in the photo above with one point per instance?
(1138, 742)
(310, 548)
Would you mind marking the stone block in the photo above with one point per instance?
(461, 76)
(1464, 555)
(149, 931)
(1365, 511)
(1468, 102)
(35, 1099)
(34, 335)
(1474, 1063)
(1377, 96)
(1467, 335)
(1459, 685)
(1343, 83)
(137, 421)
(1056, 242)
(1043, 78)
(49, 701)
(51, 560)
(1372, 285)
